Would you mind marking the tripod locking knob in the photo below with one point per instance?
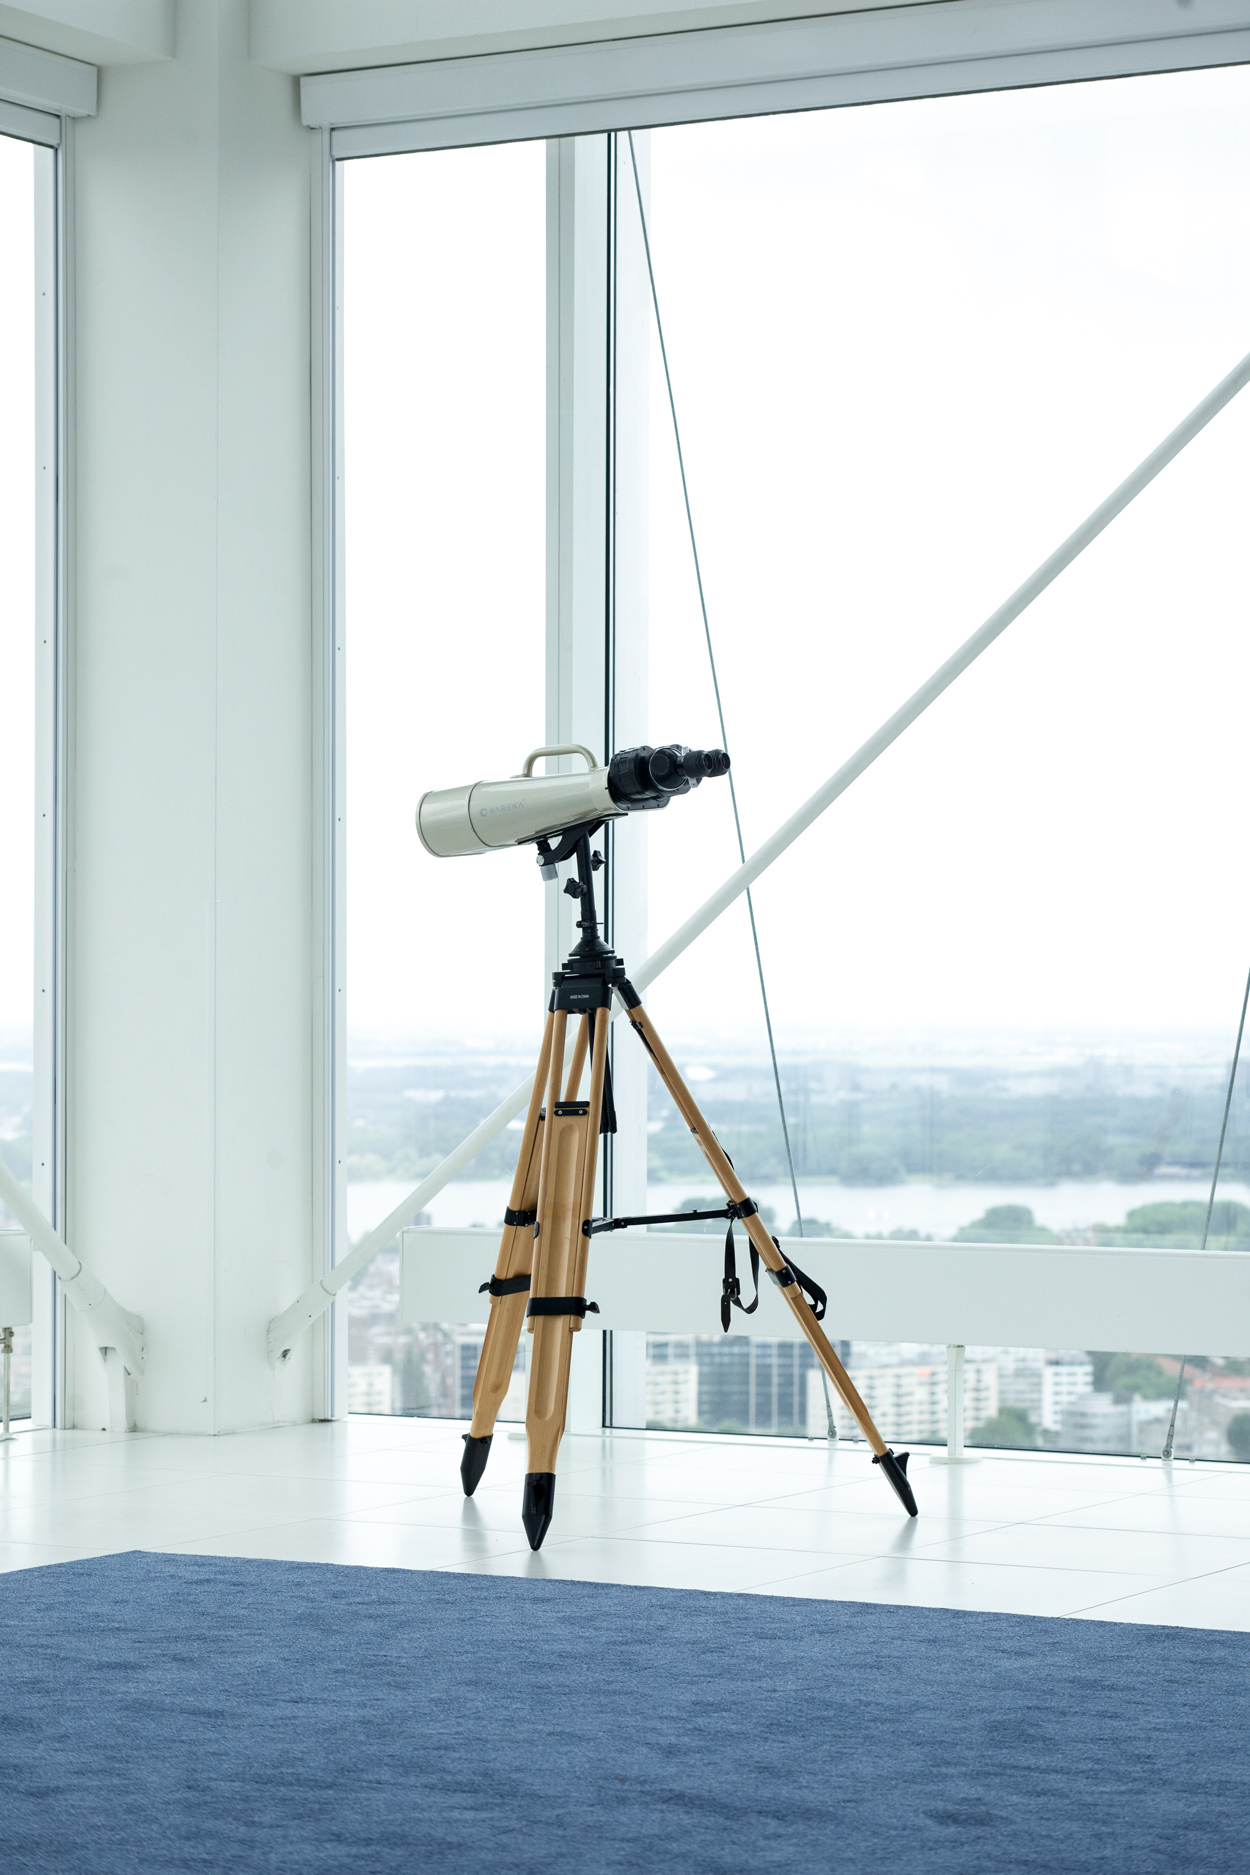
(573, 887)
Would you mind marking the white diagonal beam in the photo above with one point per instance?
(315, 1300)
(112, 1325)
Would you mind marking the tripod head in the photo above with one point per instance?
(592, 969)
(487, 815)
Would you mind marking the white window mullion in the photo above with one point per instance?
(578, 363)
(577, 457)
(48, 1116)
(329, 1236)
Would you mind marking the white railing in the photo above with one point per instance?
(988, 1295)
(1004, 1295)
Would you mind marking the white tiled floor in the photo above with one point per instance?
(1108, 1539)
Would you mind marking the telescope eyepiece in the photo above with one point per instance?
(648, 778)
(710, 762)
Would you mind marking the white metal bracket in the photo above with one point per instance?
(955, 1453)
(121, 1386)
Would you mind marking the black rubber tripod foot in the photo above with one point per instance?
(473, 1463)
(895, 1469)
(537, 1505)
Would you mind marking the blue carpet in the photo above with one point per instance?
(169, 1713)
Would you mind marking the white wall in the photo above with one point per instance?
(189, 967)
(107, 32)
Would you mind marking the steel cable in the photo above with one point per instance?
(1206, 1223)
(720, 714)
(711, 658)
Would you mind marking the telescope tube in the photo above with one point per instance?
(453, 823)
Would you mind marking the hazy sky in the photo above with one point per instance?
(913, 345)
(17, 587)
(445, 492)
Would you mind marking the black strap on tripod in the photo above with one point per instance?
(593, 1226)
(785, 1278)
(505, 1286)
(731, 1288)
(561, 1305)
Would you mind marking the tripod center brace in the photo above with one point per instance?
(540, 1275)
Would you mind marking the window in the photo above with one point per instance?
(912, 346)
(445, 415)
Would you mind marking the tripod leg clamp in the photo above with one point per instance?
(812, 1291)
(561, 1305)
(505, 1286)
(519, 1217)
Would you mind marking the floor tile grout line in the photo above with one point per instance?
(1047, 1569)
(41, 1505)
(1143, 1530)
(196, 1546)
(1204, 1575)
(271, 1523)
(225, 1536)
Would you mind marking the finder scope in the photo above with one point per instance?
(453, 823)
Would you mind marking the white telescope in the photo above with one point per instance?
(484, 816)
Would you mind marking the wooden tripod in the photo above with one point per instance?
(540, 1274)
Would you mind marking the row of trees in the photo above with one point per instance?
(984, 1126)
(1168, 1225)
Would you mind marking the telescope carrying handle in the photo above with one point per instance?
(563, 748)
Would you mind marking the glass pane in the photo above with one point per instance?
(1027, 1399)
(444, 485)
(912, 347)
(17, 688)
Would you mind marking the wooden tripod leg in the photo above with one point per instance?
(565, 1200)
(770, 1256)
(514, 1262)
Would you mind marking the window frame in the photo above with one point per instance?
(50, 137)
(864, 56)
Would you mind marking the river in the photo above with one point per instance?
(934, 1210)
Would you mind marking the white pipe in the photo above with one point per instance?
(946, 674)
(316, 1299)
(112, 1325)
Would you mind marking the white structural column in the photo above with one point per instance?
(577, 536)
(189, 1165)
